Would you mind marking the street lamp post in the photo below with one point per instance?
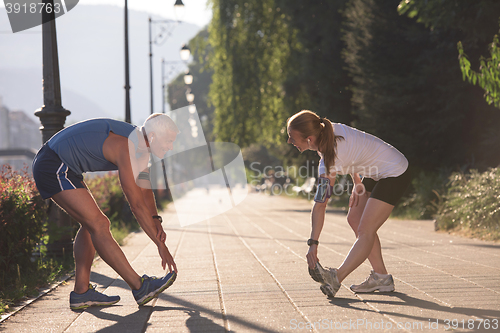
(127, 70)
(179, 9)
(174, 68)
(52, 117)
(167, 27)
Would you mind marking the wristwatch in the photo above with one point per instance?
(158, 217)
(311, 241)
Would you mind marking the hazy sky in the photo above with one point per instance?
(196, 10)
(87, 52)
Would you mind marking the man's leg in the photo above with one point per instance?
(84, 252)
(80, 204)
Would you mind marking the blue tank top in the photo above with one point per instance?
(79, 146)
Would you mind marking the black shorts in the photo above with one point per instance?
(390, 189)
(52, 175)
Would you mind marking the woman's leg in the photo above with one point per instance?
(353, 218)
(376, 212)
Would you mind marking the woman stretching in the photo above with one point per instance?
(380, 174)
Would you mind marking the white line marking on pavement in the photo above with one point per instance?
(374, 308)
(269, 272)
(219, 284)
(408, 260)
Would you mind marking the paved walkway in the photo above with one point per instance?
(245, 271)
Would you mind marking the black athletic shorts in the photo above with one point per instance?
(389, 189)
(52, 175)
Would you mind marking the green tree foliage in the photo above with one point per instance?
(317, 78)
(272, 59)
(489, 76)
(477, 22)
(251, 43)
(399, 93)
(408, 89)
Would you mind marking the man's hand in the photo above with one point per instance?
(166, 258)
(160, 233)
(312, 255)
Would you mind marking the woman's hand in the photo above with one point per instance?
(357, 191)
(312, 256)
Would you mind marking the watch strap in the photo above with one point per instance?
(311, 241)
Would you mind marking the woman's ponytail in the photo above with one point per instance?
(327, 144)
(309, 123)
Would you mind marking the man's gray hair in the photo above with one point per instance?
(160, 123)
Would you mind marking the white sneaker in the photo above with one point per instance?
(375, 282)
(328, 279)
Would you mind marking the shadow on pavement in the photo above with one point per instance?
(138, 321)
(196, 322)
(488, 246)
(399, 299)
(103, 281)
(196, 308)
(330, 210)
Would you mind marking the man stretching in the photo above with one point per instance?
(100, 145)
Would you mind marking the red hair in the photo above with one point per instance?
(308, 123)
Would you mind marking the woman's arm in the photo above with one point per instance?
(317, 222)
(359, 189)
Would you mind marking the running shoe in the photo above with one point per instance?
(382, 283)
(90, 298)
(328, 279)
(152, 286)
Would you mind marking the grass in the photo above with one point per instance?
(43, 272)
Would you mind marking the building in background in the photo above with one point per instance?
(18, 130)
(4, 126)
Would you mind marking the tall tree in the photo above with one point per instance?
(478, 21)
(251, 44)
(407, 86)
(318, 79)
(274, 58)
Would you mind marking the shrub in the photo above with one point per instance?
(22, 223)
(424, 196)
(472, 202)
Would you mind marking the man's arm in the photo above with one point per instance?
(150, 200)
(141, 207)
